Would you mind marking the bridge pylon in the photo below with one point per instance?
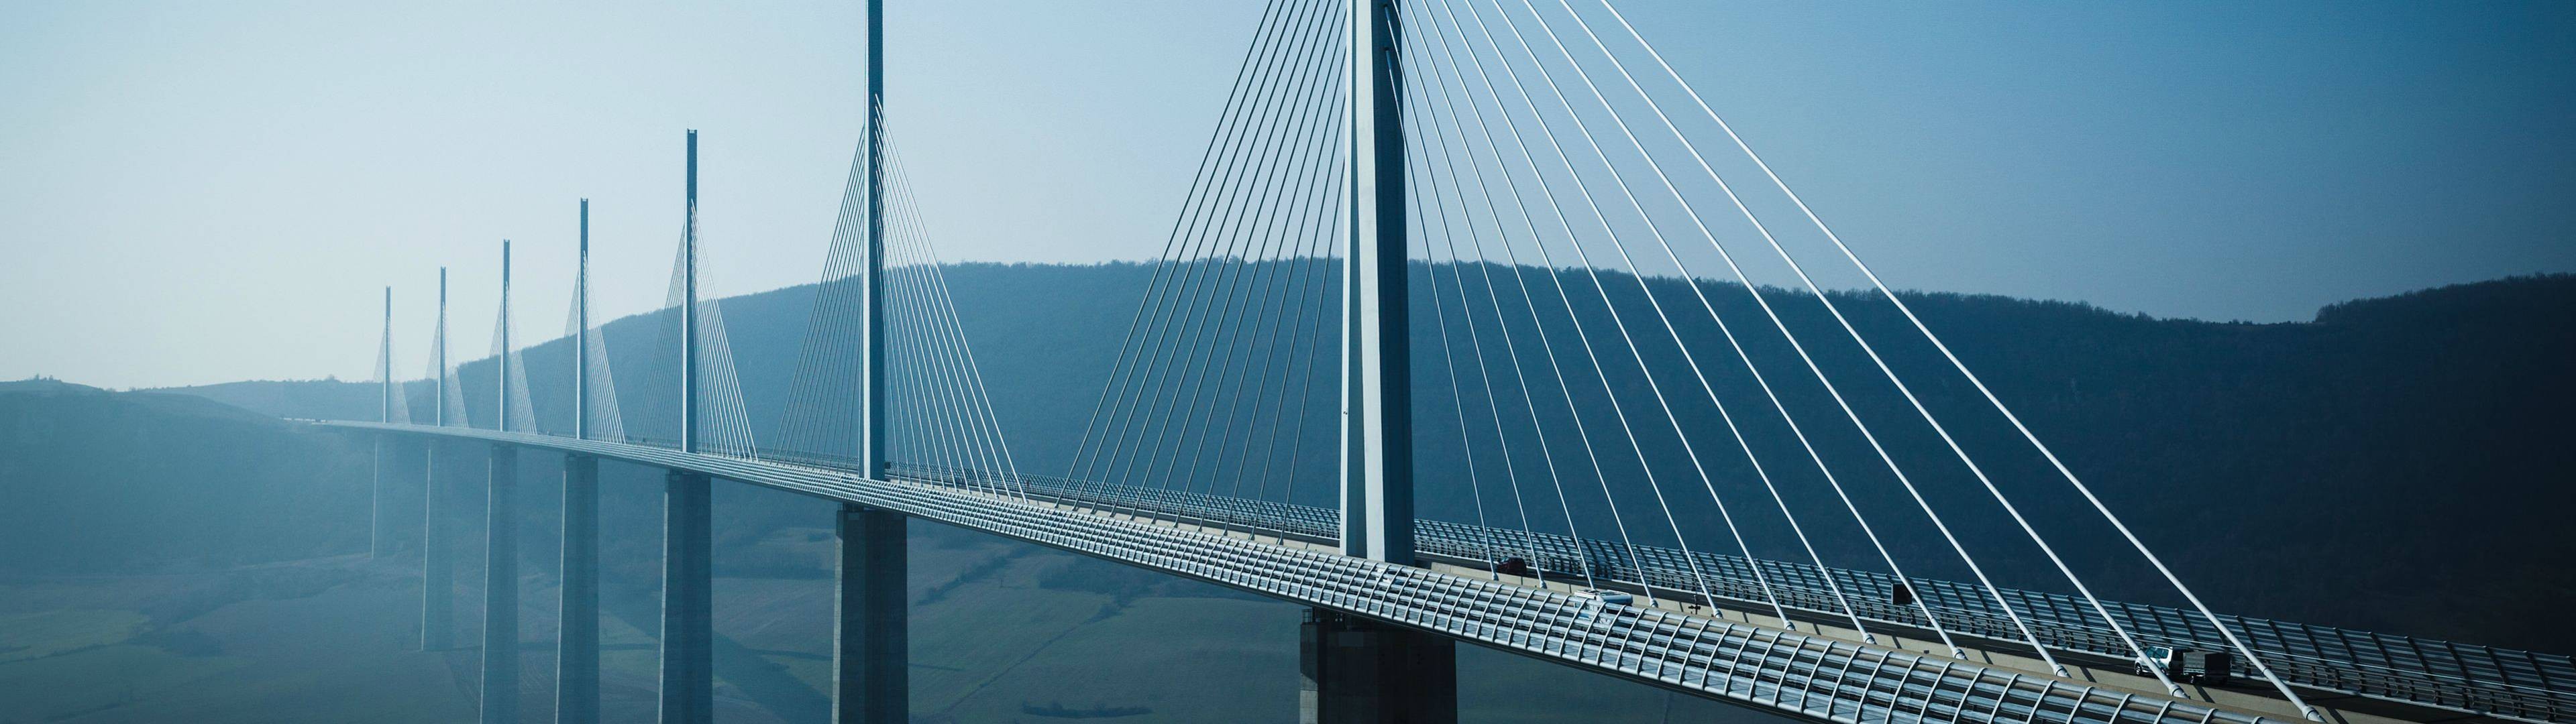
(437, 563)
(1377, 400)
(500, 700)
(688, 630)
(870, 633)
(1357, 669)
(385, 392)
(577, 609)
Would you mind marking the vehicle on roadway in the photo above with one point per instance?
(2188, 666)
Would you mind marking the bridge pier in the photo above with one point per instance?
(1361, 671)
(501, 590)
(688, 633)
(437, 564)
(577, 625)
(870, 650)
(376, 504)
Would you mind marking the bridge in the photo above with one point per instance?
(1368, 149)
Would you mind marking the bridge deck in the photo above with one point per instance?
(1814, 676)
(2458, 677)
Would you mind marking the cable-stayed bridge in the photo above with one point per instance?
(1665, 450)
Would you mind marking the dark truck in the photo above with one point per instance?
(2185, 665)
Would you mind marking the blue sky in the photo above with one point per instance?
(203, 192)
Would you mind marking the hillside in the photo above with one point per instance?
(168, 558)
(2395, 464)
(92, 480)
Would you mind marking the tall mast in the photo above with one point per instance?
(581, 331)
(689, 308)
(387, 353)
(872, 403)
(440, 371)
(1377, 417)
(502, 423)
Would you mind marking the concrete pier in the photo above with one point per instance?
(688, 634)
(501, 590)
(1360, 671)
(437, 563)
(870, 656)
(376, 502)
(577, 640)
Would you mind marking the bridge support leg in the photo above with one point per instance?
(577, 627)
(437, 566)
(1362, 671)
(501, 590)
(870, 681)
(376, 503)
(688, 634)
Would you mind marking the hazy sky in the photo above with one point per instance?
(199, 192)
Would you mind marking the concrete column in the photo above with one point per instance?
(437, 566)
(688, 634)
(1361, 671)
(376, 503)
(1377, 382)
(577, 640)
(871, 683)
(501, 590)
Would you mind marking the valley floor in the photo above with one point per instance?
(1001, 632)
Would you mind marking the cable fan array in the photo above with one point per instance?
(1609, 370)
(723, 422)
(396, 406)
(940, 425)
(1614, 383)
(591, 368)
(1225, 369)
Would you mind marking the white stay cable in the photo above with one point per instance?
(1529, 302)
(938, 391)
(982, 457)
(1600, 473)
(1475, 338)
(1216, 171)
(2250, 658)
(1804, 357)
(906, 335)
(946, 305)
(941, 383)
(1259, 226)
(1700, 577)
(985, 463)
(1190, 318)
(1565, 226)
(944, 308)
(1890, 373)
(1307, 229)
(1655, 231)
(1449, 364)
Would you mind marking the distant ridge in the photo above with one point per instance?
(2411, 446)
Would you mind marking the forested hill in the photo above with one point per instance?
(2396, 464)
(140, 481)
